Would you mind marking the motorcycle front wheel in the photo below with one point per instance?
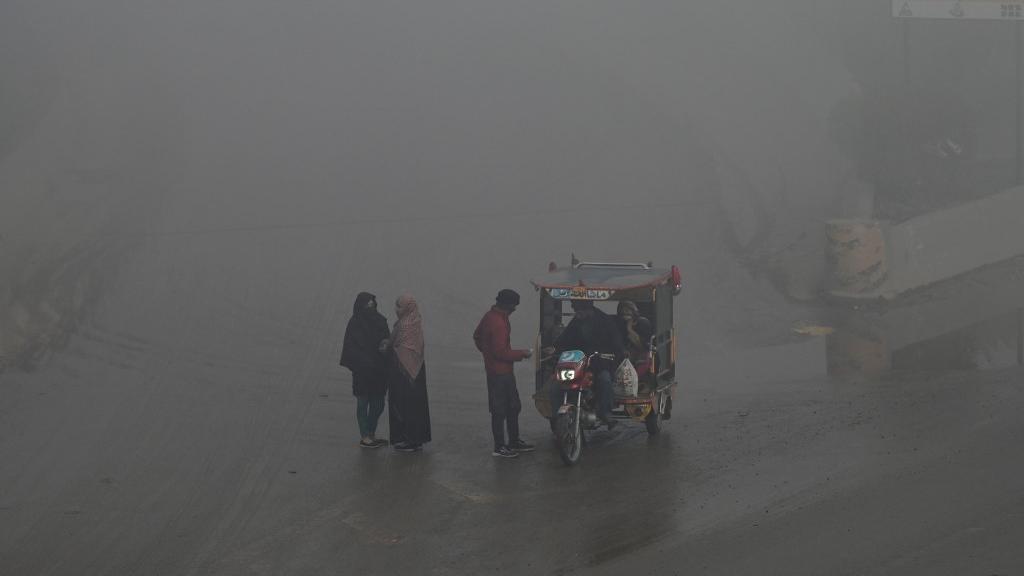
(569, 434)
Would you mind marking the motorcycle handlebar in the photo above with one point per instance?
(595, 354)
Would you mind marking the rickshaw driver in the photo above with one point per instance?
(591, 330)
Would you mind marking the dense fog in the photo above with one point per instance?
(192, 193)
(266, 151)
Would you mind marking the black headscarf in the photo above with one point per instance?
(366, 328)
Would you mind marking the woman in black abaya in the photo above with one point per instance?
(365, 353)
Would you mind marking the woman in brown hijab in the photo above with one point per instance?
(407, 383)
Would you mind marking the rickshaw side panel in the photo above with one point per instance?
(664, 336)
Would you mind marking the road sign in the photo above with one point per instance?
(959, 9)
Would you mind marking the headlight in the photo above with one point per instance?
(566, 375)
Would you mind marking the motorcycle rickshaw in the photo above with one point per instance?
(563, 378)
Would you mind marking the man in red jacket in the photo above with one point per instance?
(493, 337)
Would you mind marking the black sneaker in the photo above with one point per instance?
(504, 452)
(380, 441)
(368, 444)
(520, 446)
(404, 447)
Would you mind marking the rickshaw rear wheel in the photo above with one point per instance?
(653, 422)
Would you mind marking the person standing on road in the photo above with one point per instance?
(364, 352)
(407, 399)
(493, 339)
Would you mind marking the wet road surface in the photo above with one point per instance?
(196, 422)
(120, 460)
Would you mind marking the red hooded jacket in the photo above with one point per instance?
(493, 337)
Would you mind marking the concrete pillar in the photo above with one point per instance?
(853, 354)
(855, 256)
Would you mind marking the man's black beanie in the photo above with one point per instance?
(507, 297)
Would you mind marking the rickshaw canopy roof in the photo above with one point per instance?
(604, 277)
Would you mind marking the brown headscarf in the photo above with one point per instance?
(407, 337)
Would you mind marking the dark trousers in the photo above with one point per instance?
(368, 411)
(504, 404)
(604, 394)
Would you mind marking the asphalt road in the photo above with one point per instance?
(195, 421)
(129, 455)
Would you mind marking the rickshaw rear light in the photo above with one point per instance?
(677, 280)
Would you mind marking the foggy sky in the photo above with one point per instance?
(450, 148)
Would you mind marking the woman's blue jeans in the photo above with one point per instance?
(368, 411)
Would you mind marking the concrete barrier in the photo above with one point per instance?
(947, 243)
(923, 250)
(867, 339)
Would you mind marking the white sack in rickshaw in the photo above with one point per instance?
(626, 379)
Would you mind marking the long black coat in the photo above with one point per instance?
(598, 333)
(361, 353)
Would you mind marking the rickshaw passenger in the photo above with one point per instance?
(591, 330)
(635, 330)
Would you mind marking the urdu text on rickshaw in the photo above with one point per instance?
(579, 293)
